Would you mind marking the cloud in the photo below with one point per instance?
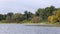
(21, 5)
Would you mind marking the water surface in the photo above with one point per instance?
(22, 29)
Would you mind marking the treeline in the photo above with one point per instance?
(40, 15)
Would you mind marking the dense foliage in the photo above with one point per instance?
(42, 14)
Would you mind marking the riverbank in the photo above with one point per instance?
(43, 24)
(35, 24)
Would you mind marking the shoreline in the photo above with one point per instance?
(42, 25)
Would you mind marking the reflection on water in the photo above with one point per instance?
(22, 29)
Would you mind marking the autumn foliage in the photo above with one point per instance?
(36, 19)
(51, 19)
(50, 14)
(55, 17)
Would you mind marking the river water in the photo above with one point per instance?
(23, 29)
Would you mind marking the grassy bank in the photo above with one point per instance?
(29, 22)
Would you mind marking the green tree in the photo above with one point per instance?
(45, 12)
(49, 10)
(9, 14)
(17, 17)
(9, 17)
(2, 17)
(40, 13)
(28, 15)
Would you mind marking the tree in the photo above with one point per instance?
(9, 14)
(36, 19)
(57, 14)
(27, 15)
(40, 13)
(52, 19)
(9, 17)
(55, 17)
(2, 17)
(17, 17)
(49, 10)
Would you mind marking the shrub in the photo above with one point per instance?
(36, 19)
(57, 15)
(52, 19)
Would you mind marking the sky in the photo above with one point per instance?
(19, 6)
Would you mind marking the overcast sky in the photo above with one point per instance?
(19, 6)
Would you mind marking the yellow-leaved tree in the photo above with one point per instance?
(57, 14)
